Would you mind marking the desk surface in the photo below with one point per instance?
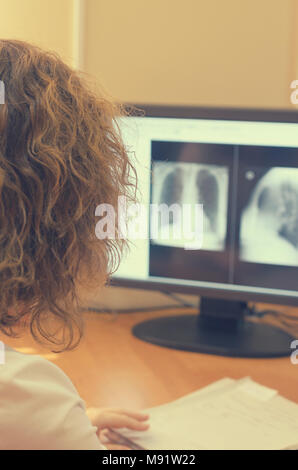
(112, 368)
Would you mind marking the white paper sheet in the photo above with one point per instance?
(227, 414)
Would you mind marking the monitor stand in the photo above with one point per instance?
(221, 328)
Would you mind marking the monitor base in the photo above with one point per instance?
(188, 333)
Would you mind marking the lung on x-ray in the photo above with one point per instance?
(269, 222)
(185, 185)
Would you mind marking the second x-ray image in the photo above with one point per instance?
(269, 223)
(187, 184)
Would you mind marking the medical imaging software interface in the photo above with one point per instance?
(245, 177)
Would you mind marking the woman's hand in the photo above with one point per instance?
(105, 418)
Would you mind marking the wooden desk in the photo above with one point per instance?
(112, 368)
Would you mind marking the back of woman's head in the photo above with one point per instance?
(60, 157)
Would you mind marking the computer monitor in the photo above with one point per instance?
(237, 169)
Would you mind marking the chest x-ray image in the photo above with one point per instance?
(269, 223)
(185, 185)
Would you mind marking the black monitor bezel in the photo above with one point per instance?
(220, 113)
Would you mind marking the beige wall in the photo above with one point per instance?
(166, 51)
(47, 23)
(194, 52)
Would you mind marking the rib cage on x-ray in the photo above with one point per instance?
(172, 189)
(269, 222)
(189, 183)
(208, 189)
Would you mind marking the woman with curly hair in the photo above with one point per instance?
(61, 155)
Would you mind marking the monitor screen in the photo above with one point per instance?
(235, 183)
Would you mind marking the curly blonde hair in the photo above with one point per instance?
(61, 154)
